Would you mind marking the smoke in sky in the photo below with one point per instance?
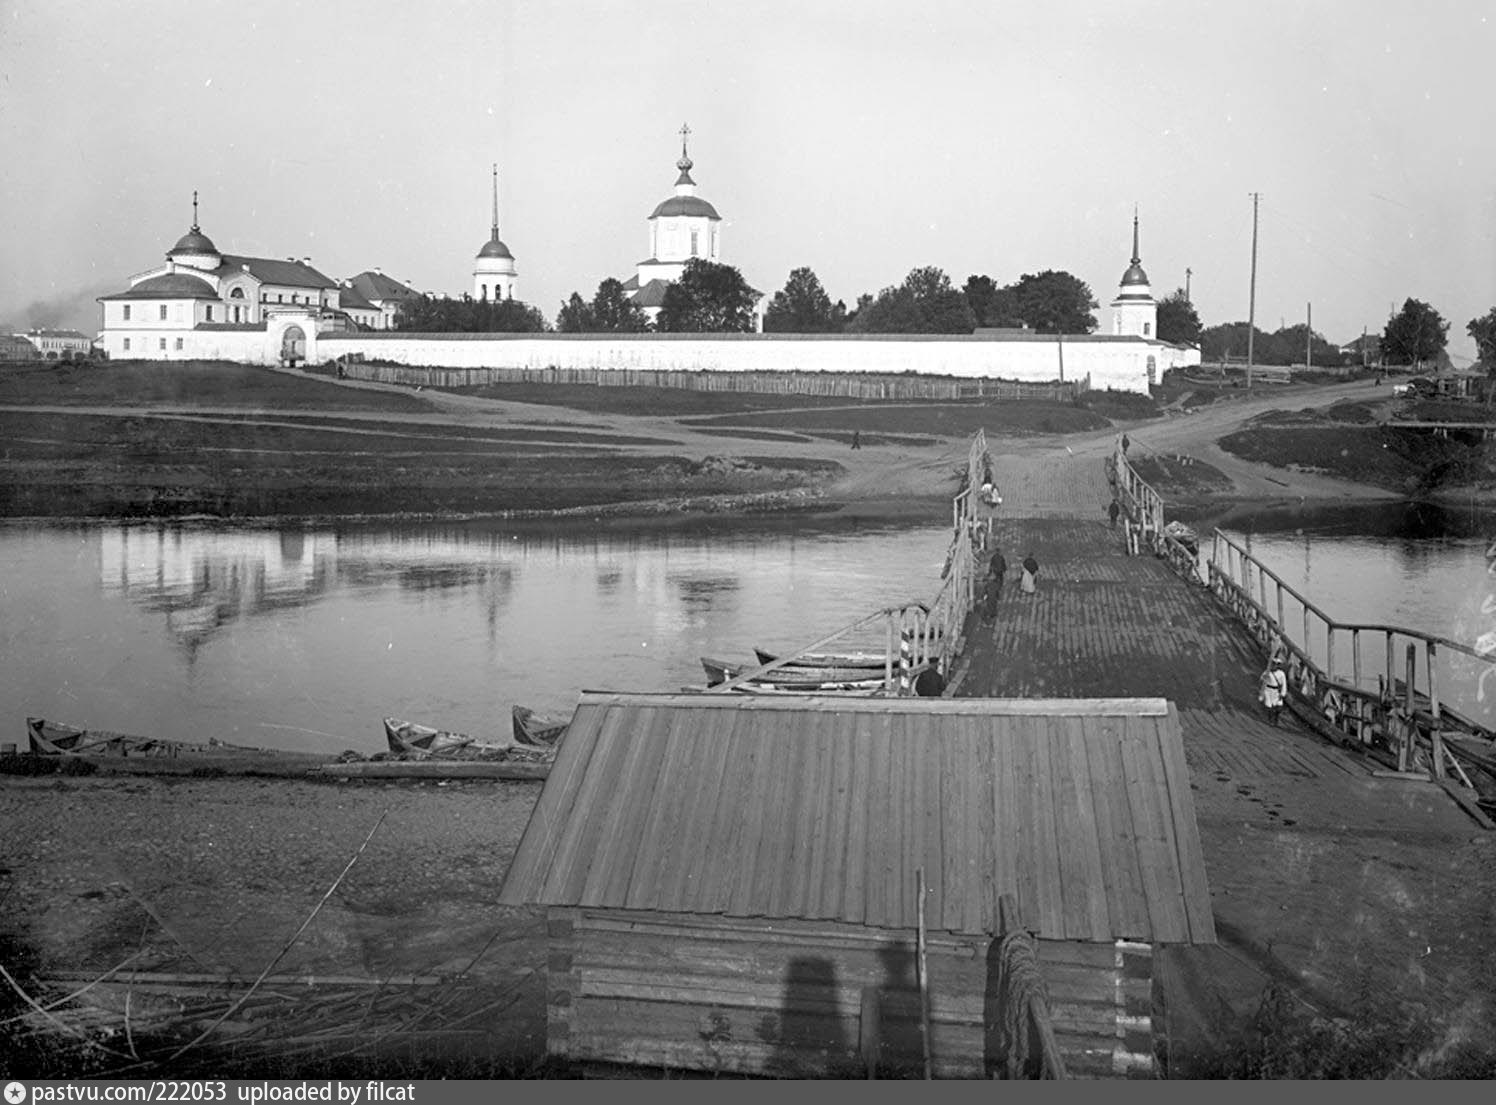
(76, 310)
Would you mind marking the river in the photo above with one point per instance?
(306, 637)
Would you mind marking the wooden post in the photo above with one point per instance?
(1390, 662)
(1282, 625)
(924, 981)
(1356, 679)
(1405, 753)
(870, 1030)
(1330, 652)
(888, 646)
(906, 647)
(1436, 734)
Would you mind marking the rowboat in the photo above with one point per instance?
(805, 680)
(422, 742)
(532, 730)
(872, 660)
(55, 738)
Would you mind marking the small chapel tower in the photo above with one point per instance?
(1135, 311)
(494, 274)
(681, 227)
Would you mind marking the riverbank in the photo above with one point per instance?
(154, 441)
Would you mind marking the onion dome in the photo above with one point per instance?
(194, 242)
(1135, 277)
(685, 202)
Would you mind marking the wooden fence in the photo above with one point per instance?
(1390, 695)
(827, 384)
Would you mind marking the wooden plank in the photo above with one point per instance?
(1466, 800)
(696, 777)
(541, 840)
(979, 791)
(764, 866)
(639, 797)
(1049, 860)
(579, 831)
(1005, 838)
(751, 828)
(710, 891)
(661, 825)
(857, 863)
(877, 842)
(828, 867)
(1086, 856)
(1126, 903)
(955, 816)
(1155, 863)
(1190, 851)
(612, 823)
(925, 707)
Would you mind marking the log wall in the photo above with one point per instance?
(786, 998)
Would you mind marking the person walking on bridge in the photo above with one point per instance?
(1030, 574)
(997, 571)
(1112, 512)
(1273, 689)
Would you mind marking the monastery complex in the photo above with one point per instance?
(202, 304)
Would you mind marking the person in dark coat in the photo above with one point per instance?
(1112, 512)
(997, 570)
(857, 439)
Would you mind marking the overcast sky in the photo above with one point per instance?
(860, 138)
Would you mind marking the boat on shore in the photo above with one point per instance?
(797, 680)
(410, 740)
(873, 661)
(531, 729)
(55, 738)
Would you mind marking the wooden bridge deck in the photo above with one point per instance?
(1320, 871)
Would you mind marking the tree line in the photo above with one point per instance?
(714, 298)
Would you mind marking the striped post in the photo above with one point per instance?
(906, 662)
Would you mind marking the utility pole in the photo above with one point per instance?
(1187, 285)
(1308, 335)
(1252, 299)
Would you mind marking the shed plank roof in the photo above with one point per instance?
(824, 808)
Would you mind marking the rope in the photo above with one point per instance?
(1023, 1000)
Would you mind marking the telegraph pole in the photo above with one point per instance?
(1252, 300)
(1187, 285)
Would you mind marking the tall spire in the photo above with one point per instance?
(1136, 260)
(194, 211)
(495, 202)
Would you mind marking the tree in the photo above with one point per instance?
(925, 303)
(575, 316)
(613, 312)
(1483, 330)
(1177, 319)
(1417, 334)
(801, 307)
(1055, 302)
(991, 305)
(438, 315)
(708, 298)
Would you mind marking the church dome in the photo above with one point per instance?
(194, 241)
(1134, 276)
(495, 248)
(171, 285)
(685, 205)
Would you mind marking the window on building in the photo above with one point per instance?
(127, 345)
(127, 312)
(163, 345)
(179, 345)
(694, 235)
(210, 312)
(163, 312)
(279, 297)
(1147, 329)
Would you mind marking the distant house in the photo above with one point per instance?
(57, 345)
(730, 883)
(358, 308)
(16, 349)
(384, 293)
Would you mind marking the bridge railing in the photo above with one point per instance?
(1373, 683)
(1143, 518)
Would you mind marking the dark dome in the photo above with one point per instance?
(495, 248)
(172, 285)
(1134, 275)
(194, 241)
(686, 205)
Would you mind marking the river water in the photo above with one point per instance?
(296, 637)
(306, 637)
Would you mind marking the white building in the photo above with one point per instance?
(382, 294)
(175, 311)
(1135, 311)
(58, 345)
(494, 273)
(681, 227)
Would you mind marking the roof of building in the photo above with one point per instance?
(651, 294)
(685, 205)
(375, 286)
(171, 285)
(194, 241)
(823, 808)
(269, 270)
(495, 248)
(350, 298)
(231, 326)
(47, 332)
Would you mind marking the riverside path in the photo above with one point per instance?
(1346, 887)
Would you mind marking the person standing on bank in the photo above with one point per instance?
(996, 572)
(1272, 689)
(857, 439)
(1030, 574)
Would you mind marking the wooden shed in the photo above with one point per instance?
(731, 881)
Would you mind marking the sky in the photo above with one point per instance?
(861, 139)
